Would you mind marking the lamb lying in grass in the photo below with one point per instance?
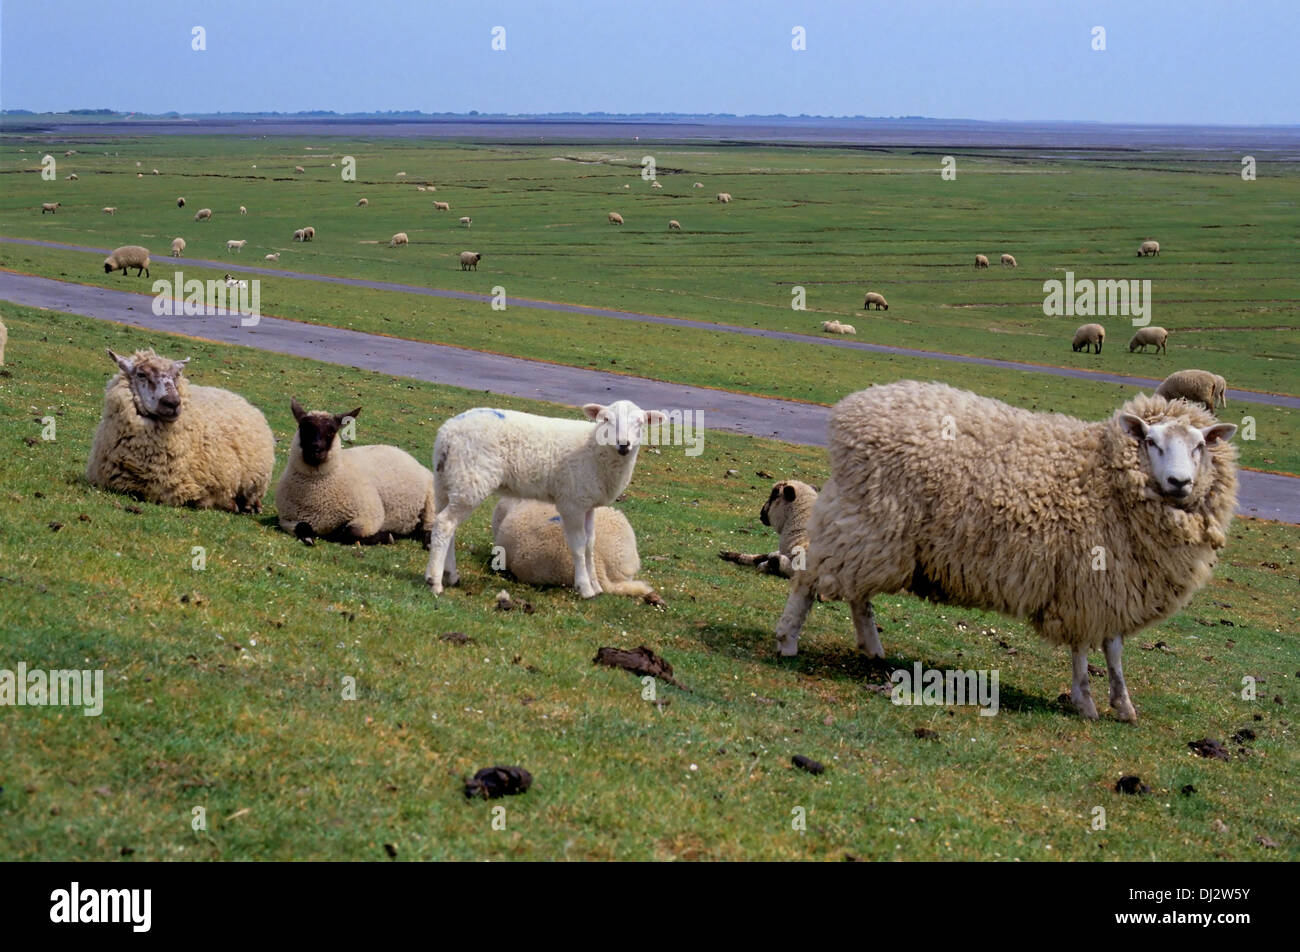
(787, 510)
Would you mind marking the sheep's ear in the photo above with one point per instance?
(1134, 426)
(296, 407)
(123, 363)
(343, 416)
(180, 364)
(789, 493)
(1219, 433)
(592, 410)
(654, 416)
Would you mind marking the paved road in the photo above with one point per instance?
(1264, 495)
(1148, 383)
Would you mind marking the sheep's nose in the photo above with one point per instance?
(1179, 485)
(170, 401)
(622, 449)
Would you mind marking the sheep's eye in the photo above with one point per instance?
(1152, 444)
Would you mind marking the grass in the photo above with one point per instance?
(224, 686)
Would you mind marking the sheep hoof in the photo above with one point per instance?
(787, 649)
(436, 586)
(1124, 711)
(1085, 707)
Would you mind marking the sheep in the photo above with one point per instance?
(167, 441)
(419, 188)
(981, 261)
(1009, 260)
(1012, 511)
(233, 282)
(243, 210)
(299, 168)
(398, 239)
(367, 494)
(1149, 335)
(877, 299)
(137, 175)
(698, 185)
(74, 152)
(401, 175)
(180, 201)
(1089, 335)
(234, 245)
(787, 510)
(308, 233)
(128, 256)
(466, 220)
(442, 206)
(531, 534)
(847, 329)
(203, 214)
(273, 256)
(109, 209)
(578, 465)
(1197, 386)
(674, 225)
(615, 218)
(72, 177)
(1148, 248)
(4, 339)
(655, 184)
(299, 235)
(362, 202)
(724, 197)
(178, 247)
(156, 172)
(469, 260)
(51, 207)
(835, 327)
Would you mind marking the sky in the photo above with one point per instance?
(1164, 61)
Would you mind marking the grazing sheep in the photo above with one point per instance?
(128, 256)
(1009, 260)
(178, 247)
(109, 209)
(968, 501)
(156, 172)
(273, 256)
(300, 234)
(1148, 248)
(1198, 386)
(469, 260)
(536, 553)
(72, 177)
(576, 464)
(615, 218)
(203, 214)
(674, 225)
(51, 207)
(362, 202)
(4, 339)
(724, 197)
(308, 233)
(1149, 335)
(180, 202)
(698, 185)
(877, 299)
(243, 210)
(466, 220)
(299, 168)
(981, 261)
(401, 175)
(367, 494)
(398, 239)
(1089, 335)
(442, 206)
(655, 185)
(178, 444)
(787, 510)
(233, 245)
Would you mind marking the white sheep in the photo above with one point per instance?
(233, 282)
(178, 247)
(1199, 386)
(968, 501)
(308, 233)
(367, 494)
(362, 202)
(203, 214)
(237, 246)
(724, 197)
(577, 465)
(109, 209)
(177, 444)
(419, 188)
(1156, 336)
(273, 256)
(442, 206)
(156, 172)
(787, 510)
(877, 299)
(981, 261)
(1009, 260)
(72, 177)
(615, 218)
(128, 256)
(243, 210)
(401, 175)
(180, 201)
(674, 225)
(466, 220)
(1148, 248)
(698, 185)
(469, 260)
(51, 207)
(1089, 336)
(299, 168)
(655, 184)
(398, 239)
(299, 234)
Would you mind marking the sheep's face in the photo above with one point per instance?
(154, 382)
(621, 424)
(1176, 452)
(318, 432)
(777, 508)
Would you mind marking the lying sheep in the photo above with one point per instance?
(579, 465)
(51, 207)
(1089, 335)
(615, 218)
(419, 188)
(299, 168)
(469, 260)
(178, 247)
(243, 210)
(233, 282)
(847, 329)
(877, 299)
(466, 220)
(1009, 260)
(109, 209)
(442, 206)
(1198, 386)
(169, 442)
(362, 202)
(273, 256)
(1148, 248)
(968, 501)
(203, 214)
(367, 494)
(981, 261)
(787, 510)
(674, 225)
(72, 177)
(180, 202)
(398, 239)
(724, 197)
(698, 185)
(128, 256)
(1149, 335)
(401, 175)
(233, 245)
(532, 535)
(655, 184)
(836, 327)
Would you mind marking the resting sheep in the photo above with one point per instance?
(615, 218)
(877, 299)
(724, 197)
(273, 256)
(178, 444)
(469, 260)
(655, 184)
(981, 261)
(1156, 336)
(968, 501)
(698, 185)
(787, 510)
(203, 214)
(1197, 386)
(674, 225)
(366, 494)
(178, 247)
(442, 206)
(51, 207)
(835, 327)
(398, 239)
(1009, 260)
(1148, 248)
(1089, 335)
(578, 465)
(128, 256)
(72, 177)
(233, 245)
(536, 553)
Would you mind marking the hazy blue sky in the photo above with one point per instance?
(1166, 61)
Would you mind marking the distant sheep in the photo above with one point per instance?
(466, 221)
(1197, 386)
(362, 202)
(299, 168)
(419, 188)
(401, 175)
(615, 218)
(128, 256)
(178, 247)
(442, 206)
(674, 225)
(1157, 336)
(1148, 248)
(243, 210)
(273, 256)
(698, 185)
(156, 172)
(72, 177)
(180, 202)
(787, 510)
(398, 239)
(469, 260)
(655, 184)
(724, 197)
(981, 261)
(109, 209)
(234, 245)
(1089, 336)
(836, 327)
(203, 214)
(877, 299)
(51, 207)
(300, 234)
(309, 233)
(1009, 260)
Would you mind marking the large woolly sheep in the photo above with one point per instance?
(398, 239)
(469, 260)
(51, 207)
(1009, 260)
(442, 206)
(178, 247)
(1156, 336)
(674, 225)
(203, 214)
(177, 444)
(536, 553)
(787, 510)
(128, 256)
(1089, 336)
(1088, 531)
(837, 327)
(1198, 386)
(234, 245)
(615, 218)
(578, 465)
(367, 494)
(981, 261)
(724, 197)
(877, 299)
(1148, 248)
(308, 233)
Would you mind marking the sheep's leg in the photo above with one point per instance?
(442, 555)
(864, 623)
(589, 525)
(1080, 692)
(792, 619)
(575, 533)
(1120, 702)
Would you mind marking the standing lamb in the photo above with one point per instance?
(536, 553)
(366, 494)
(299, 234)
(236, 245)
(981, 261)
(575, 464)
(1148, 248)
(398, 239)
(1009, 260)
(469, 260)
(724, 197)
(1157, 336)
(877, 299)
(128, 256)
(178, 444)
(178, 247)
(787, 510)
(243, 210)
(1089, 335)
(968, 501)
(615, 218)
(51, 207)
(674, 225)
(203, 214)
(308, 233)
(1198, 386)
